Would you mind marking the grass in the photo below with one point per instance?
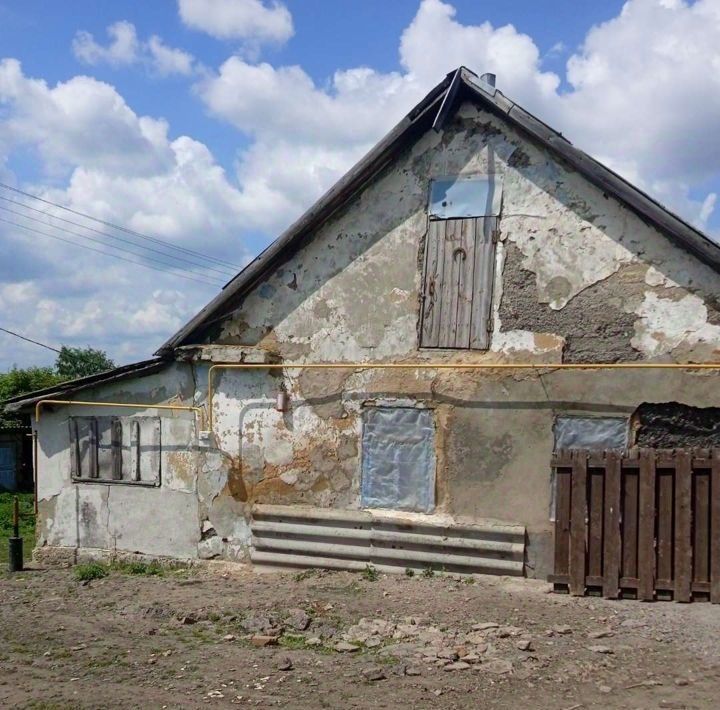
(292, 641)
(27, 523)
(90, 571)
(98, 570)
(150, 569)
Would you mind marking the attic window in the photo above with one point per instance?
(460, 261)
(465, 196)
(115, 450)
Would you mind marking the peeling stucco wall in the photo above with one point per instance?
(578, 278)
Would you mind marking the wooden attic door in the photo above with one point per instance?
(460, 263)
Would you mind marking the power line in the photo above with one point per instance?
(30, 340)
(122, 229)
(225, 272)
(104, 253)
(99, 241)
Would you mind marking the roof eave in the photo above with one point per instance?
(65, 389)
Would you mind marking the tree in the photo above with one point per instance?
(72, 363)
(18, 382)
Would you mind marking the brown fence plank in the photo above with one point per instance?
(701, 526)
(664, 564)
(612, 544)
(683, 526)
(562, 521)
(578, 500)
(630, 482)
(596, 481)
(646, 526)
(715, 528)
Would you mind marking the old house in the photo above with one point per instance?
(472, 235)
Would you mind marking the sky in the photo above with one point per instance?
(197, 130)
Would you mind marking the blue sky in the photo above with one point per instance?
(212, 124)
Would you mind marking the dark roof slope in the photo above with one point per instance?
(458, 85)
(65, 389)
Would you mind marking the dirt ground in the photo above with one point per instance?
(187, 639)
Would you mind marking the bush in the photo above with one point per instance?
(370, 574)
(90, 571)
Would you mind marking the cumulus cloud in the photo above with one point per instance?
(250, 20)
(125, 49)
(122, 49)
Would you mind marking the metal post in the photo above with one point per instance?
(15, 543)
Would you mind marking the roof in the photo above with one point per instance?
(65, 389)
(457, 86)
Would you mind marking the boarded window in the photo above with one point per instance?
(398, 459)
(117, 449)
(460, 262)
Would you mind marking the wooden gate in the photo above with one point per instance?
(644, 524)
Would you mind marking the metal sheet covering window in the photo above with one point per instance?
(596, 433)
(460, 196)
(398, 459)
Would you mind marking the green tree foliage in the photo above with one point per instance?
(18, 381)
(72, 363)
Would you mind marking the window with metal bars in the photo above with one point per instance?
(115, 450)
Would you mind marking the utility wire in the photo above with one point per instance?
(104, 253)
(225, 272)
(30, 340)
(122, 229)
(100, 241)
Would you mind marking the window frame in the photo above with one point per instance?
(483, 271)
(116, 443)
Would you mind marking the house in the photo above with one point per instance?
(15, 457)
(447, 281)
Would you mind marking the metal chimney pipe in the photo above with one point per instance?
(488, 78)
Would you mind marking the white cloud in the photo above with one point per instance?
(253, 20)
(126, 49)
(168, 60)
(646, 84)
(123, 48)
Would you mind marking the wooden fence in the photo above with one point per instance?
(644, 524)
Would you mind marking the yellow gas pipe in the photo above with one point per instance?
(448, 366)
(133, 405)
